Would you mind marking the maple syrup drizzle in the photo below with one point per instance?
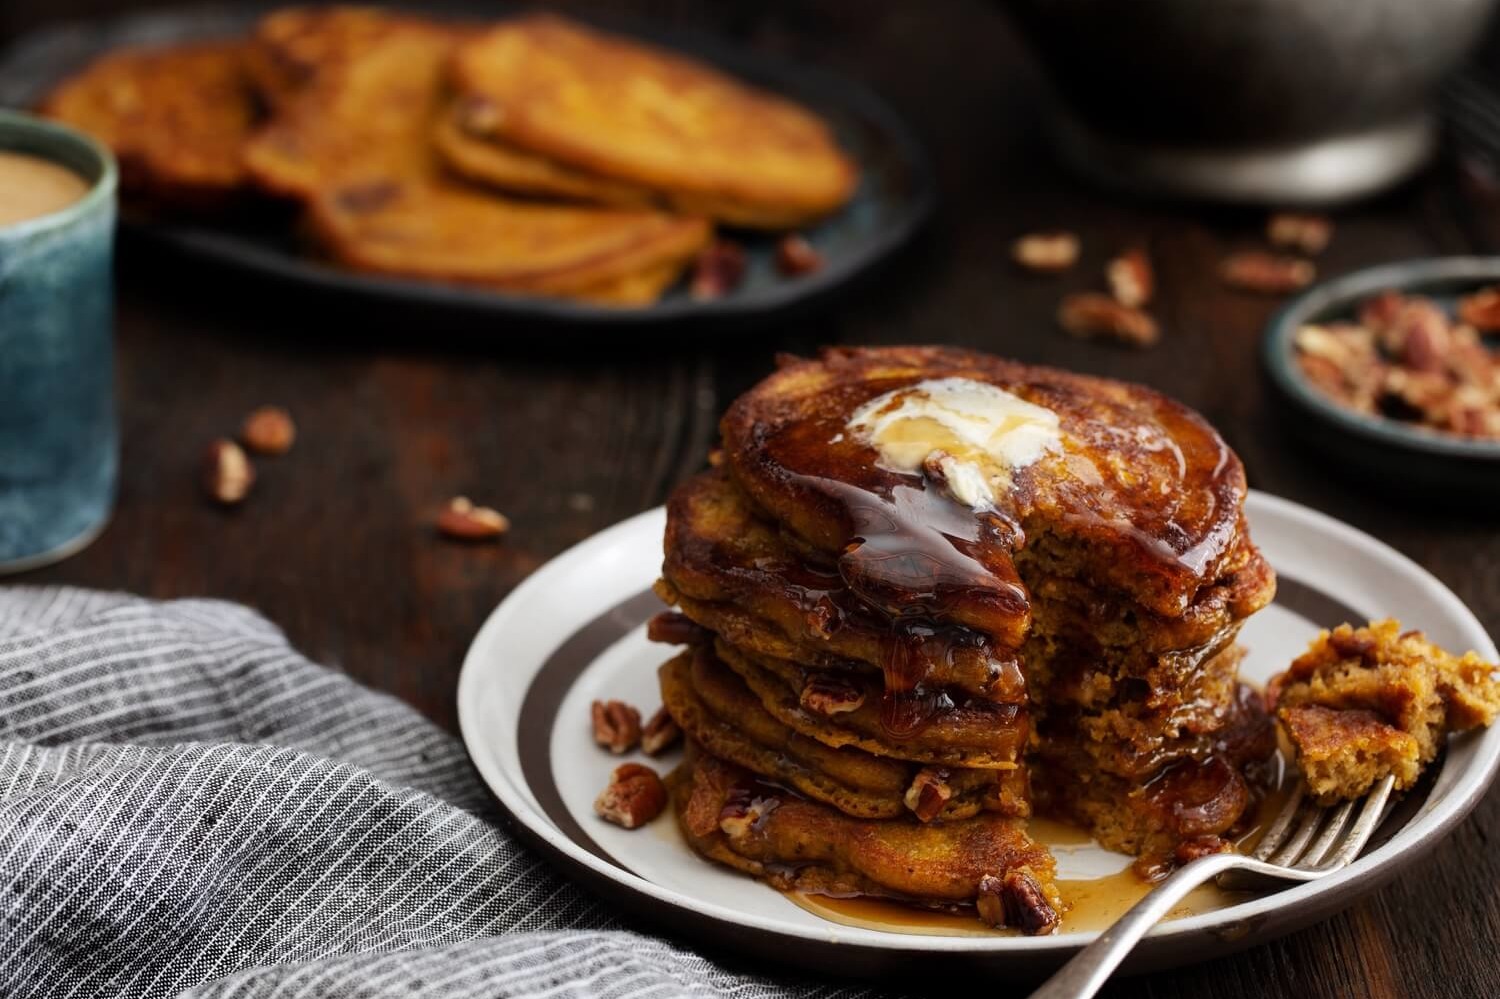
(1093, 903)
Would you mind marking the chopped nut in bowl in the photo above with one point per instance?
(1395, 374)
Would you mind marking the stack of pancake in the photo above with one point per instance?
(927, 593)
(533, 155)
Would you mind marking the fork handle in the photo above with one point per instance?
(1090, 968)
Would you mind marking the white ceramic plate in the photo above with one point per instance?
(575, 631)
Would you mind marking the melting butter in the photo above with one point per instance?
(971, 434)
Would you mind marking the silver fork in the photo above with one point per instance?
(1304, 843)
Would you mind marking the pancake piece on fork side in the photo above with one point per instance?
(627, 111)
(176, 118)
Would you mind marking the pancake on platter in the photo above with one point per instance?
(635, 114)
(450, 233)
(362, 114)
(458, 140)
(176, 118)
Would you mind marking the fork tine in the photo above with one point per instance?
(1305, 827)
(1276, 834)
(1364, 827)
(1330, 834)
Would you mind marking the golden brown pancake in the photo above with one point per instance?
(497, 164)
(363, 114)
(175, 117)
(291, 46)
(799, 845)
(715, 709)
(453, 234)
(624, 110)
(1143, 500)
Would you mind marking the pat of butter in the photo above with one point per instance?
(975, 434)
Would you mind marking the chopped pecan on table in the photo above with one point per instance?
(795, 256)
(269, 430)
(1131, 278)
(463, 521)
(1406, 359)
(660, 734)
(1016, 900)
(617, 725)
(635, 796)
(829, 694)
(1046, 252)
(1266, 273)
(717, 271)
(227, 472)
(1092, 314)
(1304, 233)
(929, 793)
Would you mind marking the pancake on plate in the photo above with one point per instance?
(176, 118)
(614, 108)
(932, 558)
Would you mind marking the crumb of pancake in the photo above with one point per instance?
(1363, 703)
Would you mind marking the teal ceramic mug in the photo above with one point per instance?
(58, 433)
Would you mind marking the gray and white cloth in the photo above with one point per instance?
(189, 807)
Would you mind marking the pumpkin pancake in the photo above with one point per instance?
(291, 46)
(361, 115)
(712, 705)
(176, 118)
(620, 109)
(508, 168)
(454, 234)
(799, 845)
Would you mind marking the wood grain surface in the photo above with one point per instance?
(568, 433)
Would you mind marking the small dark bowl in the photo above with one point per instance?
(1398, 456)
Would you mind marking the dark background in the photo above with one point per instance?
(568, 433)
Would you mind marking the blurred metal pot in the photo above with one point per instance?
(1269, 101)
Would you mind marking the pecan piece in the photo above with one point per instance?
(227, 472)
(660, 733)
(635, 796)
(1481, 310)
(1304, 233)
(269, 430)
(463, 521)
(929, 793)
(829, 694)
(1131, 278)
(676, 628)
(1266, 273)
(1190, 850)
(717, 271)
(1016, 900)
(743, 814)
(1351, 645)
(617, 726)
(1091, 314)
(1046, 252)
(795, 256)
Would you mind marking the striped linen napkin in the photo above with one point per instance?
(188, 807)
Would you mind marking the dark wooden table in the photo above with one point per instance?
(568, 434)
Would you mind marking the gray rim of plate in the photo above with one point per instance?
(1327, 299)
(1170, 943)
